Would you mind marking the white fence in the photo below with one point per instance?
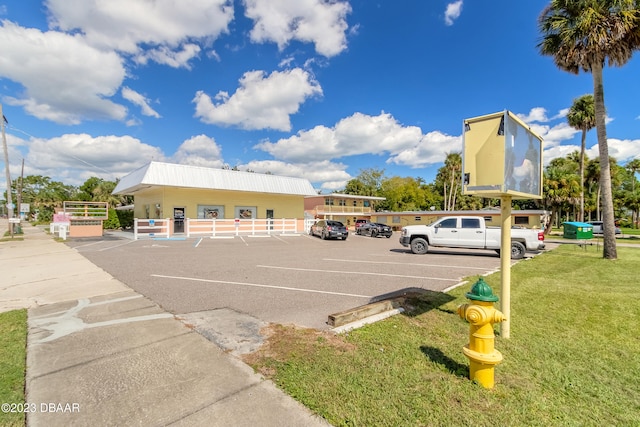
(220, 227)
(151, 228)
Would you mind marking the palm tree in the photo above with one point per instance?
(584, 35)
(451, 176)
(592, 181)
(561, 187)
(582, 116)
(634, 167)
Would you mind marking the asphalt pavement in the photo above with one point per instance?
(99, 353)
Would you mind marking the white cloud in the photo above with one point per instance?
(623, 150)
(452, 12)
(332, 175)
(354, 135)
(65, 79)
(554, 135)
(260, 102)
(536, 114)
(310, 21)
(139, 100)
(124, 25)
(199, 150)
(73, 158)
(430, 150)
(173, 58)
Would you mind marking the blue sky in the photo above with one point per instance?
(307, 88)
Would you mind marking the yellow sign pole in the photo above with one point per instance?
(505, 265)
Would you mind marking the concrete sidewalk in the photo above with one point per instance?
(99, 353)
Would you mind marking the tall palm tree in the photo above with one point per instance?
(584, 35)
(592, 181)
(453, 165)
(561, 187)
(634, 167)
(582, 116)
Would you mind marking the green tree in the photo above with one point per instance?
(449, 180)
(584, 35)
(402, 194)
(561, 187)
(85, 191)
(44, 195)
(582, 116)
(633, 199)
(367, 183)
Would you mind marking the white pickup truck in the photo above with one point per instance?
(468, 232)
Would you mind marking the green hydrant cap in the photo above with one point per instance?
(481, 292)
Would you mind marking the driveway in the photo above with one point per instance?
(296, 279)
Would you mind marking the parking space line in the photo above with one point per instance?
(404, 263)
(281, 239)
(88, 244)
(256, 285)
(115, 246)
(358, 272)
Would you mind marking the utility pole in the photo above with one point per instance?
(19, 202)
(3, 119)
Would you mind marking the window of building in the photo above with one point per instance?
(246, 212)
(210, 211)
(521, 220)
(366, 203)
(418, 218)
(382, 219)
(328, 202)
(355, 203)
(395, 219)
(342, 202)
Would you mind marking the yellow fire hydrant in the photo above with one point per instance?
(481, 315)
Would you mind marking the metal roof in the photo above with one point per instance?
(156, 174)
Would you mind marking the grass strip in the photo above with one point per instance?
(573, 358)
(13, 348)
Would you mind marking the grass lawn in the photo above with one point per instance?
(573, 358)
(13, 345)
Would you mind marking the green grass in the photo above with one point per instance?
(573, 358)
(13, 347)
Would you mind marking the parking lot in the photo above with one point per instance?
(294, 279)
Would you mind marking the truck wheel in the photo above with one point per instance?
(517, 250)
(374, 233)
(419, 246)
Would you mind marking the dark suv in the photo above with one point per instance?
(360, 223)
(329, 229)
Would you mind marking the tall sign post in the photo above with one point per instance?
(502, 159)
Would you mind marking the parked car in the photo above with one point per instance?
(360, 222)
(598, 229)
(375, 229)
(329, 229)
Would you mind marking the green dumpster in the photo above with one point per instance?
(577, 230)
